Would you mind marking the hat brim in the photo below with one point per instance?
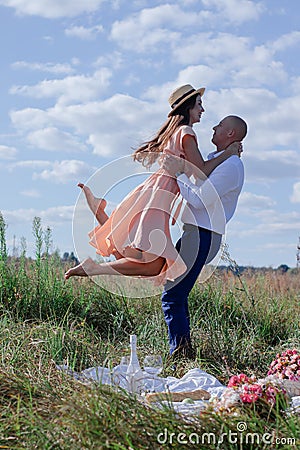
(199, 91)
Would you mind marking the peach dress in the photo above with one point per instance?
(141, 222)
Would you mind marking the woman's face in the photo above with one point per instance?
(196, 111)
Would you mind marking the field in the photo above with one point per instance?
(239, 323)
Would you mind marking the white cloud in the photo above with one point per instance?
(136, 120)
(295, 197)
(259, 70)
(230, 60)
(29, 118)
(57, 214)
(65, 171)
(31, 164)
(33, 193)
(249, 201)
(50, 217)
(107, 145)
(272, 119)
(53, 9)
(59, 172)
(285, 41)
(7, 153)
(271, 169)
(236, 11)
(267, 223)
(287, 157)
(145, 42)
(131, 115)
(79, 88)
(166, 24)
(48, 39)
(115, 60)
(84, 33)
(44, 67)
(208, 47)
(276, 227)
(112, 126)
(153, 26)
(278, 246)
(295, 85)
(53, 139)
(166, 15)
(199, 75)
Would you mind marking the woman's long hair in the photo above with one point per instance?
(149, 151)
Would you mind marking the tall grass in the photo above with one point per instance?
(238, 324)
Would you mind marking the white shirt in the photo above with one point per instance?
(211, 203)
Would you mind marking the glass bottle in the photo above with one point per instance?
(134, 374)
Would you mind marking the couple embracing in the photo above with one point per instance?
(137, 233)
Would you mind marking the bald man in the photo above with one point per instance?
(211, 203)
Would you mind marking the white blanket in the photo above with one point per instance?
(193, 379)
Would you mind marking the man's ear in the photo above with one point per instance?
(231, 133)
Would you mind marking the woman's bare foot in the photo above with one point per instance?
(96, 204)
(85, 269)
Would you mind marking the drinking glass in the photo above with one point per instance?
(119, 372)
(153, 365)
(124, 363)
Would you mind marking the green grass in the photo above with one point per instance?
(238, 325)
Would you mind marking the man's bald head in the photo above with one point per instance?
(230, 129)
(239, 125)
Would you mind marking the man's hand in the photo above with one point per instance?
(173, 164)
(236, 148)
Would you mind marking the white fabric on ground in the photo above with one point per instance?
(192, 380)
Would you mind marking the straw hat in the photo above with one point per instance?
(181, 94)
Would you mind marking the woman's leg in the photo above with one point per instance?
(97, 205)
(119, 267)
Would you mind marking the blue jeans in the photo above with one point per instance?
(197, 246)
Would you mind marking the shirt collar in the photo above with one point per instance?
(214, 154)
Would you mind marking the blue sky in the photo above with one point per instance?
(82, 82)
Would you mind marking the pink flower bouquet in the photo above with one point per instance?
(286, 366)
(251, 389)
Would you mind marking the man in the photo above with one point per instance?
(210, 205)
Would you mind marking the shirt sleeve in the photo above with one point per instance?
(221, 181)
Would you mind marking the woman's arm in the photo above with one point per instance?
(194, 157)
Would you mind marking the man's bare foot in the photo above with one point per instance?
(84, 269)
